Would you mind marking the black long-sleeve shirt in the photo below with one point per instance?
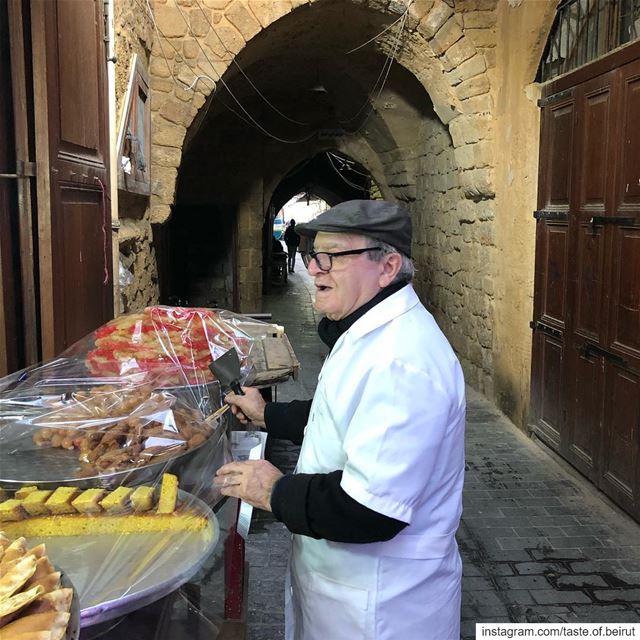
(315, 504)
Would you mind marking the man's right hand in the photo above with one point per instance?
(249, 407)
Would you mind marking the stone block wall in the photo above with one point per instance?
(134, 35)
(453, 253)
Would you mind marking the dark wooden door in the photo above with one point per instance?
(11, 356)
(74, 220)
(620, 476)
(586, 341)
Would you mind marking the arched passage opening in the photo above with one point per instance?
(316, 82)
(331, 176)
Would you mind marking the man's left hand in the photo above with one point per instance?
(251, 481)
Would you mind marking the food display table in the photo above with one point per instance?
(107, 458)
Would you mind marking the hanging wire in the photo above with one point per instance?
(364, 44)
(254, 122)
(346, 162)
(180, 83)
(353, 185)
(235, 62)
(386, 68)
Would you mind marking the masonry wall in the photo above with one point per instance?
(134, 35)
(453, 252)
(522, 31)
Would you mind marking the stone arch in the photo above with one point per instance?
(449, 70)
(208, 34)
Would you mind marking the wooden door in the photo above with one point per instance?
(586, 342)
(11, 356)
(621, 433)
(592, 158)
(551, 270)
(74, 221)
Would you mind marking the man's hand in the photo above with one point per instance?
(251, 481)
(249, 407)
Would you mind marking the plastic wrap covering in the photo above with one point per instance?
(107, 457)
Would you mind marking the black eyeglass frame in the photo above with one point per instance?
(336, 254)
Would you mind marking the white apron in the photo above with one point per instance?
(389, 411)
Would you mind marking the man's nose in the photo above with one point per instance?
(313, 267)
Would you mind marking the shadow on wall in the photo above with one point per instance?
(196, 256)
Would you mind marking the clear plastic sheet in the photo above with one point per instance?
(128, 411)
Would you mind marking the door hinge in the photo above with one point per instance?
(536, 325)
(107, 41)
(621, 220)
(588, 349)
(551, 216)
(556, 97)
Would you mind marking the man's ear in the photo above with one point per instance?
(391, 265)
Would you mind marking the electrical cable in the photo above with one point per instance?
(391, 59)
(177, 81)
(346, 161)
(235, 62)
(364, 44)
(226, 86)
(386, 68)
(353, 185)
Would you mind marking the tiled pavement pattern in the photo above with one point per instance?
(538, 543)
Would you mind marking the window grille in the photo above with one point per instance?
(584, 30)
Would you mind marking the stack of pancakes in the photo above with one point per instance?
(33, 606)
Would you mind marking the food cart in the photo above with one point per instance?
(108, 457)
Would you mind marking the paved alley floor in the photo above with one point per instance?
(538, 542)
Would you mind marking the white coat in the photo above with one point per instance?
(389, 411)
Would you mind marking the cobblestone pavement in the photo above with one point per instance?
(538, 542)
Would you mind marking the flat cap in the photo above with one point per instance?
(384, 221)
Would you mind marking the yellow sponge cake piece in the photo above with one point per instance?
(11, 510)
(88, 501)
(23, 492)
(34, 505)
(142, 499)
(117, 501)
(168, 493)
(60, 501)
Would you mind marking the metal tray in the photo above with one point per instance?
(117, 574)
(73, 627)
(23, 463)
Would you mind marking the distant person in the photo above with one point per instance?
(292, 240)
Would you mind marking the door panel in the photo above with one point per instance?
(622, 425)
(552, 392)
(625, 299)
(73, 216)
(586, 416)
(554, 306)
(560, 142)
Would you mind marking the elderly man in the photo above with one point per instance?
(375, 500)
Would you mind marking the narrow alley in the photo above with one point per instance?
(538, 542)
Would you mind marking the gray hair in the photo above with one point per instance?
(407, 270)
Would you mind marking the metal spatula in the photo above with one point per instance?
(226, 369)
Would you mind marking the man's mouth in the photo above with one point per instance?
(321, 287)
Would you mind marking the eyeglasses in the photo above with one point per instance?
(324, 259)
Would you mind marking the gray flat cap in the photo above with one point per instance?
(384, 221)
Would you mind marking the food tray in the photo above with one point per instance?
(117, 574)
(23, 463)
(73, 627)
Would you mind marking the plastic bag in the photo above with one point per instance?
(112, 418)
